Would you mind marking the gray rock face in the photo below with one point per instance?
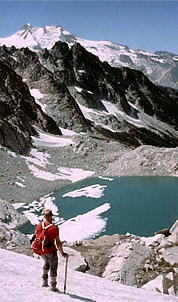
(165, 284)
(150, 262)
(146, 160)
(174, 233)
(10, 238)
(18, 111)
(9, 216)
(85, 95)
(126, 260)
(161, 67)
(77, 262)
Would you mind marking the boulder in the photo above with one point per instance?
(165, 284)
(76, 261)
(170, 255)
(165, 232)
(9, 216)
(11, 239)
(126, 260)
(153, 241)
(174, 233)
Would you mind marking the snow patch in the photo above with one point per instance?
(75, 174)
(48, 140)
(18, 205)
(20, 184)
(93, 191)
(78, 89)
(64, 173)
(81, 71)
(106, 178)
(85, 226)
(36, 93)
(13, 154)
(32, 218)
(44, 174)
(33, 211)
(67, 132)
(38, 158)
(22, 283)
(112, 109)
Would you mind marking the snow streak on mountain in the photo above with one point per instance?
(78, 92)
(161, 67)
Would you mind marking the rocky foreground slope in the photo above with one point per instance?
(150, 263)
(24, 283)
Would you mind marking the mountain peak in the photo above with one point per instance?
(38, 38)
(27, 26)
(161, 67)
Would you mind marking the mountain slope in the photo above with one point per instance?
(83, 94)
(18, 111)
(24, 281)
(160, 67)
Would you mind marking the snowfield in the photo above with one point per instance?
(20, 280)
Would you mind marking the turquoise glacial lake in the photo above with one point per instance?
(138, 205)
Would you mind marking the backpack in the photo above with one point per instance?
(40, 244)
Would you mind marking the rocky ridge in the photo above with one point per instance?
(18, 111)
(82, 94)
(145, 161)
(160, 67)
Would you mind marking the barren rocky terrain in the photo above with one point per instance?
(104, 157)
(124, 126)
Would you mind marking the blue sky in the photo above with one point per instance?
(146, 25)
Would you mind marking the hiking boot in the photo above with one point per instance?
(45, 281)
(53, 287)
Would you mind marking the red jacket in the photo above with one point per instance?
(52, 232)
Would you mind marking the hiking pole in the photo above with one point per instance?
(65, 279)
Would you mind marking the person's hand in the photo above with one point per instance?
(65, 255)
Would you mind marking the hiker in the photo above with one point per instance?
(50, 259)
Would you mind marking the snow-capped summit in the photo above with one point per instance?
(160, 67)
(37, 38)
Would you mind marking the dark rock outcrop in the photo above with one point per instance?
(153, 100)
(85, 95)
(19, 112)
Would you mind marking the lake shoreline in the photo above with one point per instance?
(109, 206)
(106, 160)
